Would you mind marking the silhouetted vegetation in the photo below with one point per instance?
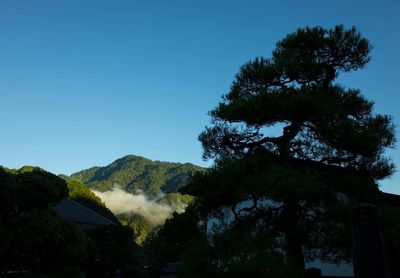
(290, 196)
(177, 235)
(36, 242)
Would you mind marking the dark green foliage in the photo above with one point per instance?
(8, 193)
(172, 239)
(177, 239)
(41, 242)
(139, 225)
(47, 188)
(176, 201)
(33, 238)
(115, 252)
(245, 259)
(233, 254)
(261, 176)
(137, 174)
(82, 194)
(29, 188)
(36, 241)
(331, 144)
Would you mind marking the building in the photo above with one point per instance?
(85, 218)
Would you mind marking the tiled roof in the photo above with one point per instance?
(75, 212)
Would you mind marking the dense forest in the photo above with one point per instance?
(138, 174)
(267, 207)
(36, 242)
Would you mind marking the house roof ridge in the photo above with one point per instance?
(101, 216)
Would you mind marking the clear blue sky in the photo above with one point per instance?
(83, 83)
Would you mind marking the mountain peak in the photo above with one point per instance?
(136, 173)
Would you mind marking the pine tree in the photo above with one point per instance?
(331, 146)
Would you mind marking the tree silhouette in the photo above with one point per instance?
(329, 152)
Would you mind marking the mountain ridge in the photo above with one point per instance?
(138, 174)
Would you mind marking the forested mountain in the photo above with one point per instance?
(137, 174)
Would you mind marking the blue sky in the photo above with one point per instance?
(83, 83)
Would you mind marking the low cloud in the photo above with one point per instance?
(120, 201)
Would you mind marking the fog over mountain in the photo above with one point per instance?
(122, 202)
(140, 192)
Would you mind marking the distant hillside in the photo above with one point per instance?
(135, 174)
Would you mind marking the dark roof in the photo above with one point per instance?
(392, 199)
(84, 217)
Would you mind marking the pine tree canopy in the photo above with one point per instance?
(321, 120)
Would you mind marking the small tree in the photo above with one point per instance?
(330, 143)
